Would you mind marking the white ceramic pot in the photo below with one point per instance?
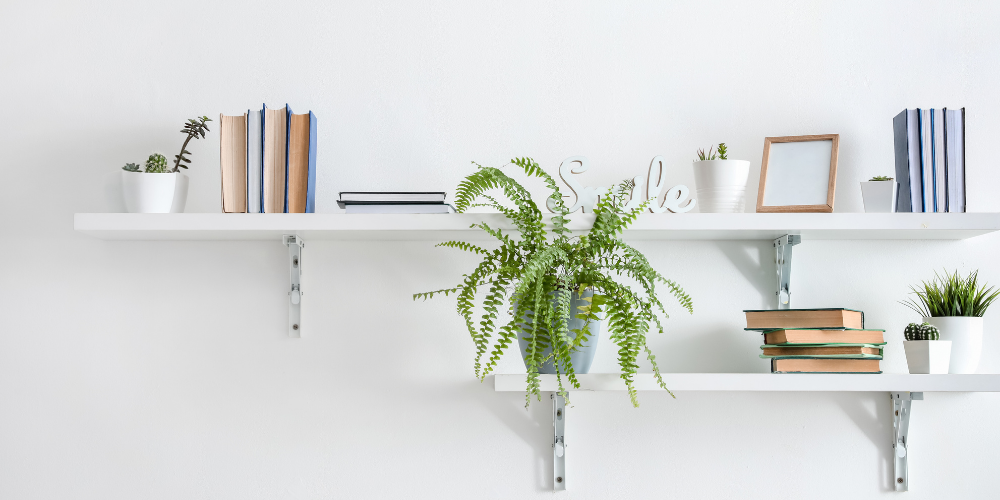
(154, 193)
(879, 196)
(721, 185)
(966, 336)
(927, 356)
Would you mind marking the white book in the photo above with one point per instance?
(928, 161)
(254, 162)
(960, 159)
(953, 138)
(425, 208)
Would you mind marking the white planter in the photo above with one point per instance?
(721, 185)
(879, 196)
(966, 336)
(154, 193)
(927, 356)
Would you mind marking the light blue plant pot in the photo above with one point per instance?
(583, 356)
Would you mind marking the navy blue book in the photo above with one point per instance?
(902, 147)
(288, 137)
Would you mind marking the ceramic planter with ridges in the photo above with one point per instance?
(966, 336)
(154, 193)
(927, 356)
(583, 357)
(721, 185)
(879, 196)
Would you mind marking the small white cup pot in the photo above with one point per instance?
(966, 336)
(927, 356)
(721, 185)
(154, 193)
(879, 196)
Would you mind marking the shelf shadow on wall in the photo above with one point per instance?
(755, 261)
(876, 426)
(533, 425)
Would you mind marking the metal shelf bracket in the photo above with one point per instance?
(295, 246)
(783, 266)
(901, 435)
(558, 442)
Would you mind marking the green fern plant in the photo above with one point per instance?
(546, 261)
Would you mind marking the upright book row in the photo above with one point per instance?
(930, 160)
(268, 161)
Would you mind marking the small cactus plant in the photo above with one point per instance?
(156, 164)
(923, 331)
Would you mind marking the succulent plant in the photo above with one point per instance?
(711, 155)
(131, 167)
(156, 164)
(922, 331)
(880, 178)
(194, 128)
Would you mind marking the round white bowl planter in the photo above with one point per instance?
(927, 356)
(154, 193)
(721, 185)
(879, 196)
(966, 336)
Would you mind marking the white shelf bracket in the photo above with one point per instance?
(295, 246)
(558, 442)
(783, 266)
(901, 435)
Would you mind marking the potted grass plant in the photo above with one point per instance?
(721, 183)
(159, 188)
(879, 194)
(955, 306)
(561, 288)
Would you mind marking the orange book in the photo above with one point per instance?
(298, 163)
(824, 365)
(824, 337)
(804, 318)
(233, 161)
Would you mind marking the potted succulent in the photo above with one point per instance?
(925, 351)
(561, 286)
(955, 306)
(158, 188)
(721, 183)
(879, 194)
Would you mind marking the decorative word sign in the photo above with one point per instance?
(587, 197)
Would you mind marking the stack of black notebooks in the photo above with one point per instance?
(368, 202)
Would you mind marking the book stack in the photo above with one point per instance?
(818, 340)
(369, 202)
(268, 161)
(930, 160)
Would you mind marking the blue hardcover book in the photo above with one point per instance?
(935, 124)
(906, 140)
(288, 140)
(902, 167)
(919, 187)
(311, 186)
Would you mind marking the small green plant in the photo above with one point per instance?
(951, 295)
(711, 155)
(536, 268)
(922, 331)
(880, 178)
(131, 167)
(194, 128)
(156, 164)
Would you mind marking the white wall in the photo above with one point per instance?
(162, 370)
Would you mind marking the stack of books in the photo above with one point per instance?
(268, 161)
(818, 340)
(369, 202)
(930, 160)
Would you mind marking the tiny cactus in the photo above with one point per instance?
(156, 164)
(131, 167)
(923, 331)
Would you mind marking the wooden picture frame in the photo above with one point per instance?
(798, 173)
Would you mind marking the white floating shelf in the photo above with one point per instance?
(836, 226)
(768, 382)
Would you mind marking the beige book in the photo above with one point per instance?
(233, 161)
(819, 350)
(825, 365)
(298, 163)
(804, 318)
(824, 337)
(275, 158)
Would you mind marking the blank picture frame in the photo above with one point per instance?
(798, 174)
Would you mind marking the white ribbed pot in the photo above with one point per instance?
(879, 196)
(721, 185)
(154, 193)
(966, 336)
